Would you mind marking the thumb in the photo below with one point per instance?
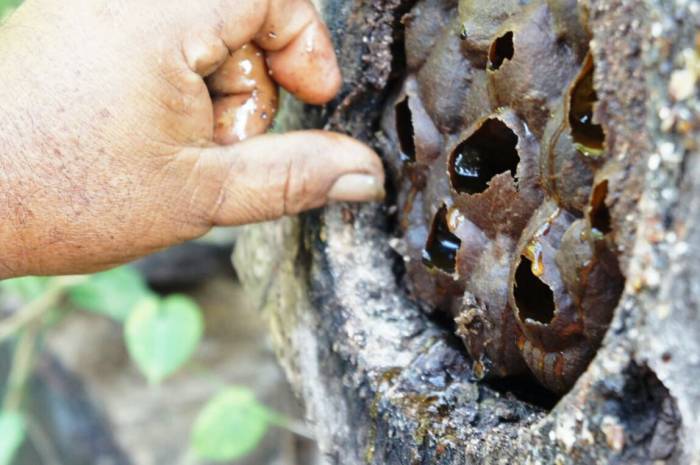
(271, 176)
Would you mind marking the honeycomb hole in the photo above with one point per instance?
(600, 214)
(501, 49)
(441, 248)
(588, 136)
(405, 130)
(489, 151)
(534, 299)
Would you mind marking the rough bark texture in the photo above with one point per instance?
(384, 384)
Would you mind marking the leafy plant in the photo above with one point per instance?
(8, 5)
(25, 288)
(113, 293)
(162, 334)
(230, 426)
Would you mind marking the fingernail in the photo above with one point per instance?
(356, 188)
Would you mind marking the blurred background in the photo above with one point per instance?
(161, 363)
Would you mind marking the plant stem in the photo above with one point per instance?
(37, 307)
(293, 426)
(22, 362)
(27, 322)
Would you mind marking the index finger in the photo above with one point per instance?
(300, 51)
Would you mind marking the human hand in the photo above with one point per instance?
(109, 150)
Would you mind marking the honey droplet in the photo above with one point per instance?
(454, 219)
(534, 253)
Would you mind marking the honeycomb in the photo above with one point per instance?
(502, 179)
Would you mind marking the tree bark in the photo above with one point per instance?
(385, 384)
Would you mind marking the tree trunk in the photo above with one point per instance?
(384, 383)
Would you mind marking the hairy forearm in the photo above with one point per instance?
(14, 139)
(33, 133)
(13, 208)
(18, 188)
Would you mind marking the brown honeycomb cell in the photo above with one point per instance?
(503, 183)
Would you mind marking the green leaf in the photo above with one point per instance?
(162, 335)
(230, 426)
(12, 431)
(25, 289)
(8, 5)
(113, 293)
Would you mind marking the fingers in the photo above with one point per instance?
(284, 21)
(307, 67)
(300, 51)
(204, 52)
(244, 96)
(270, 176)
(299, 48)
(243, 71)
